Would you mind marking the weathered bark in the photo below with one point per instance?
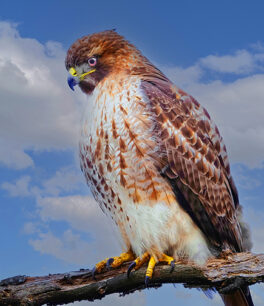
(224, 275)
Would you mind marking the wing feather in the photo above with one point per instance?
(196, 163)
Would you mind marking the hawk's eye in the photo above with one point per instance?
(92, 61)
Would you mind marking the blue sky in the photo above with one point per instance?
(48, 219)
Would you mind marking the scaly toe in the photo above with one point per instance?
(152, 262)
(138, 262)
(112, 262)
(117, 261)
(150, 269)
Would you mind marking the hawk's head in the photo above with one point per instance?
(93, 57)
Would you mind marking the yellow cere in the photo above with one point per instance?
(73, 72)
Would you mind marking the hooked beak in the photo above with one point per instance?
(74, 79)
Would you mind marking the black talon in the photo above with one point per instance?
(172, 264)
(109, 262)
(147, 278)
(130, 268)
(93, 273)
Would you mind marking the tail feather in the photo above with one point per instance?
(240, 297)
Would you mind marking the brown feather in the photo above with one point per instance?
(197, 157)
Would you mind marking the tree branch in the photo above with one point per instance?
(225, 274)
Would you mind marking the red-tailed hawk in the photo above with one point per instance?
(153, 158)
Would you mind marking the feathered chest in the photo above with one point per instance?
(117, 145)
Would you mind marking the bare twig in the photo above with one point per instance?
(224, 275)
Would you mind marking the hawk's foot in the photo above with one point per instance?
(169, 260)
(138, 262)
(113, 262)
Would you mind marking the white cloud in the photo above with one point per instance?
(13, 156)
(258, 46)
(19, 188)
(84, 214)
(241, 62)
(77, 210)
(183, 77)
(37, 110)
(81, 213)
(69, 248)
(65, 180)
(29, 228)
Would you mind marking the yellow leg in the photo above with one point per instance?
(114, 262)
(100, 265)
(141, 260)
(151, 266)
(138, 262)
(123, 257)
(166, 258)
